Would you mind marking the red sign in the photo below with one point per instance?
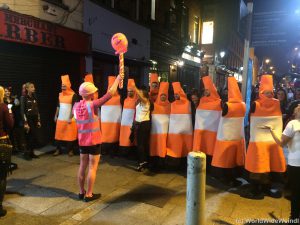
(30, 30)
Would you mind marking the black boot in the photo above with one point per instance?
(254, 192)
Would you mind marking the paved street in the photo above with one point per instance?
(44, 192)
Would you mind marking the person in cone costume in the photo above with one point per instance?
(89, 136)
(264, 159)
(125, 144)
(111, 113)
(229, 150)
(180, 133)
(159, 126)
(207, 119)
(66, 130)
(154, 87)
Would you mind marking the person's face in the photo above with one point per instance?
(195, 100)
(268, 94)
(280, 95)
(297, 112)
(30, 88)
(63, 87)
(154, 86)
(206, 93)
(177, 96)
(7, 93)
(163, 97)
(298, 95)
(130, 93)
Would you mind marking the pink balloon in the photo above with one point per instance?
(119, 43)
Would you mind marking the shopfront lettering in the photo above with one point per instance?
(25, 29)
(19, 33)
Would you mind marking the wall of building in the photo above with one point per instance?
(71, 18)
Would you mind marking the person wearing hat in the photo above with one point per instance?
(66, 130)
(264, 158)
(89, 135)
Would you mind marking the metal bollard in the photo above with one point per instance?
(195, 194)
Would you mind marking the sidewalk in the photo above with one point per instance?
(44, 192)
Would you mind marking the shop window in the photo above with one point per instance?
(184, 23)
(208, 32)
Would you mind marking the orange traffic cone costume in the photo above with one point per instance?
(230, 149)
(111, 113)
(66, 129)
(160, 123)
(180, 135)
(263, 154)
(207, 119)
(127, 117)
(154, 90)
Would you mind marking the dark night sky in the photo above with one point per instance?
(280, 55)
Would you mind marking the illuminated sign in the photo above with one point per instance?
(190, 57)
(208, 32)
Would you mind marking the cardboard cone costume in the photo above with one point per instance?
(180, 134)
(153, 91)
(230, 149)
(207, 119)
(127, 117)
(111, 113)
(263, 154)
(160, 123)
(65, 131)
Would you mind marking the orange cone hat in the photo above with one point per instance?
(234, 93)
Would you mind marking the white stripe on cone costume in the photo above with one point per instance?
(180, 135)
(160, 123)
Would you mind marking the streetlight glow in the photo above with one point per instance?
(296, 48)
(267, 61)
(271, 67)
(180, 63)
(222, 54)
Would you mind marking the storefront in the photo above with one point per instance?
(102, 24)
(33, 50)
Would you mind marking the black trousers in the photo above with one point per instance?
(69, 145)
(142, 131)
(33, 135)
(294, 181)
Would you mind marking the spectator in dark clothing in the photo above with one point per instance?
(31, 119)
(195, 99)
(6, 124)
(282, 97)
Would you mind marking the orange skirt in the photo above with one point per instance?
(204, 141)
(229, 154)
(264, 157)
(179, 145)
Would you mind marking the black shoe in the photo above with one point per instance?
(2, 211)
(13, 166)
(34, 156)
(253, 193)
(81, 196)
(92, 198)
(273, 193)
(141, 166)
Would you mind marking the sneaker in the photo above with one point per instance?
(2, 211)
(92, 198)
(56, 153)
(71, 153)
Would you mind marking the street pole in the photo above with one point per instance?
(195, 194)
(246, 50)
